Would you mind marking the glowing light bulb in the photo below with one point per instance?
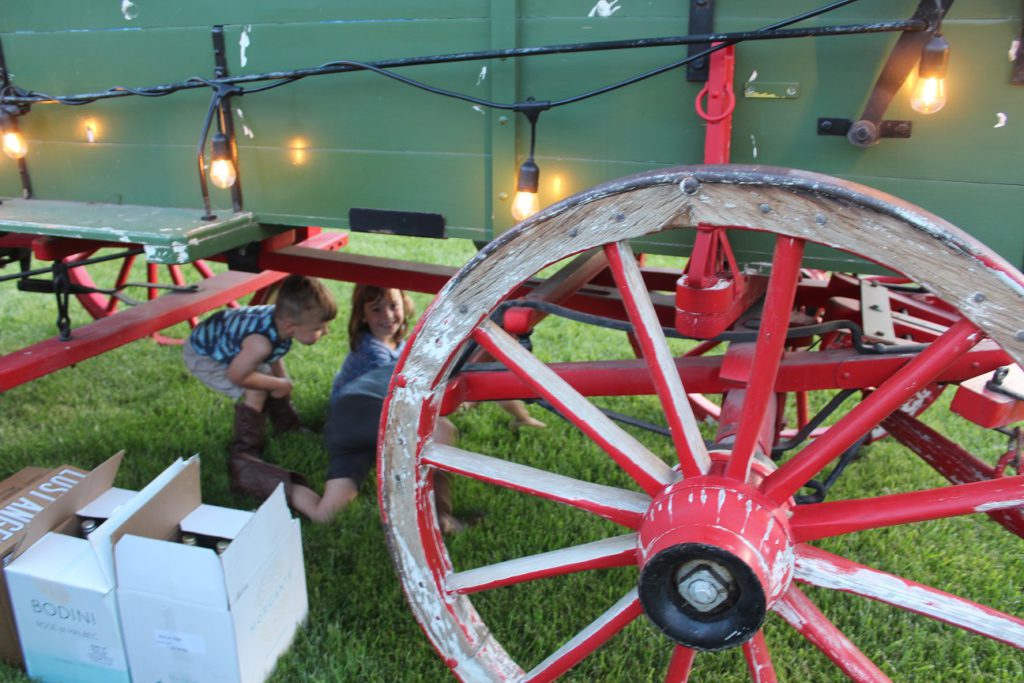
(929, 93)
(222, 170)
(524, 205)
(14, 144)
(526, 202)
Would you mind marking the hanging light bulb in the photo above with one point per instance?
(13, 142)
(222, 169)
(929, 93)
(526, 203)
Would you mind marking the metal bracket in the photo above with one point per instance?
(227, 124)
(886, 129)
(702, 21)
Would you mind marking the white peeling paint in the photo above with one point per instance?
(482, 76)
(247, 131)
(243, 45)
(128, 10)
(1014, 49)
(478, 109)
(753, 76)
(817, 570)
(1000, 120)
(1000, 505)
(603, 8)
(753, 143)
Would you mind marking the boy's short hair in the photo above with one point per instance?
(300, 298)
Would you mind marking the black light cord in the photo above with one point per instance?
(770, 32)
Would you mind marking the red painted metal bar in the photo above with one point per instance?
(820, 568)
(178, 278)
(891, 393)
(803, 615)
(799, 371)
(771, 341)
(950, 460)
(821, 520)
(556, 289)
(759, 661)
(594, 636)
(686, 436)
(122, 278)
(681, 664)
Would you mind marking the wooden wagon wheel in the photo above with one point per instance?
(153, 278)
(712, 538)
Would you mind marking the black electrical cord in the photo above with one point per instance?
(773, 31)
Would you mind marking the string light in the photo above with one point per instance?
(929, 94)
(526, 203)
(13, 142)
(222, 169)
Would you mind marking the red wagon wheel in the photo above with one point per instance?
(710, 539)
(133, 283)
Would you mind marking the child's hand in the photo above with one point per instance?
(284, 389)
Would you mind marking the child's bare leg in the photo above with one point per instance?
(338, 493)
(255, 399)
(517, 409)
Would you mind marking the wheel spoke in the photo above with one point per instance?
(693, 454)
(771, 340)
(589, 639)
(645, 467)
(820, 568)
(619, 505)
(759, 661)
(679, 667)
(904, 383)
(619, 551)
(803, 615)
(820, 520)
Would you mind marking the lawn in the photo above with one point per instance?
(140, 398)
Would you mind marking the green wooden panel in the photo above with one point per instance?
(169, 235)
(311, 150)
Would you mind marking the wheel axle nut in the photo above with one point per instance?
(703, 589)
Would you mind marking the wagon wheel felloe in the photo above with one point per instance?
(713, 534)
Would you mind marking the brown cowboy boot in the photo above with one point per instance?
(282, 415)
(249, 473)
(259, 479)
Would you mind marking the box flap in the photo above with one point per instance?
(63, 560)
(255, 542)
(171, 494)
(177, 572)
(105, 504)
(65, 506)
(212, 520)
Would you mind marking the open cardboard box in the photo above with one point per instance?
(62, 586)
(23, 496)
(191, 614)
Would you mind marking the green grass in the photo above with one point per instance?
(141, 399)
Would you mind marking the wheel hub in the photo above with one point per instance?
(714, 557)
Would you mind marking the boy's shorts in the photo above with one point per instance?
(350, 436)
(213, 373)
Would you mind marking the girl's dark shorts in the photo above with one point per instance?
(350, 436)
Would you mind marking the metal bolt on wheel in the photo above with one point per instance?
(711, 537)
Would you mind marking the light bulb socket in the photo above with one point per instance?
(220, 148)
(529, 177)
(934, 58)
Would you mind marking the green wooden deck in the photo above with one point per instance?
(168, 235)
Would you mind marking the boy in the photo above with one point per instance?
(239, 352)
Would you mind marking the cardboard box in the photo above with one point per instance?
(23, 496)
(192, 615)
(62, 587)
